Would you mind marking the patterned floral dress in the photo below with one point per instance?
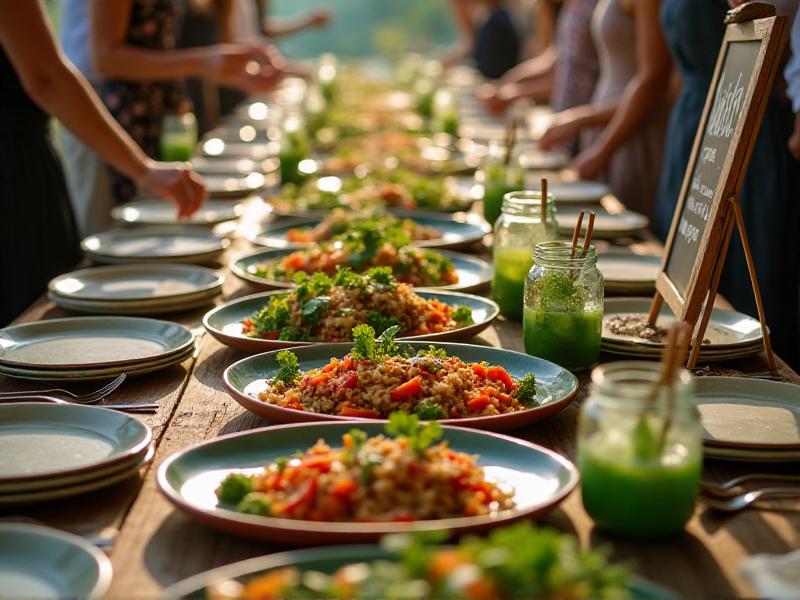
(140, 106)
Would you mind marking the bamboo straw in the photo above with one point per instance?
(684, 337)
(575, 235)
(511, 138)
(544, 202)
(588, 238)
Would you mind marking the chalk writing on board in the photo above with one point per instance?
(727, 106)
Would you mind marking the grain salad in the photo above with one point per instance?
(379, 377)
(322, 308)
(339, 221)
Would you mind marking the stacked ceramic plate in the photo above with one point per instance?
(571, 192)
(628, 273)
(749, 419)
(159, 212)
(92, 348)
(126, 246)
(136, 289)
(607, 226)
(730, 335)
(50, 451)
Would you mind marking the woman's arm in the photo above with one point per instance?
(277, 27)
(644, 92)
(566, 125)
(462, 11)
(55, 85)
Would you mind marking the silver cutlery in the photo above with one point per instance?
(726, 488)
(131, 407)
(742, 501)
(90, 398)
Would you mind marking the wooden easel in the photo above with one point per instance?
(689, 283)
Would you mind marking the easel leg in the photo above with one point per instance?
(751, 268)
(712, 295)
(655, 308)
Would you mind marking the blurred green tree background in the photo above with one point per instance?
(380, 28)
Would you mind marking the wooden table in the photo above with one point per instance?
(156, 546)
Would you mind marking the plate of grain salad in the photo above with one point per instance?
(368, 379)
(325, 309)
(342, 482)
(424, 229)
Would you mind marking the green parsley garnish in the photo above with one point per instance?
(463, 315)
(403, 425)
(289, 369)
(428, 411)
(526, 390)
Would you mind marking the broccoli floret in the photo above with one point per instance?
(255, 503)
(526, 390)
(463, 315)
(234, 488)
(289, 369)
(429, 411)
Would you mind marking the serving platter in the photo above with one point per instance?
(473, 273)
(225, 322)
(91, 342)
(749, 413)
(148, 245)
(541, 479)
(555, 386)
(39, 562)
(456, 234)
(161, 212)
(327, 560)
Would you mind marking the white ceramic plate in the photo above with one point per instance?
(743, 455)
(136, 283)
(571, 192)
(606, 225)
(39, 562)
(151, 245)
(142, 307)
(91, 342)
(749, 413)
(161, 212)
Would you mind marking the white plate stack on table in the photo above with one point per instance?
(39, 562)
(205, 165)
(579, 192)
(730, 335)
(749, 419)
(92, 348)
(628, 273)
(156, 245)
(607, 226)
(51, 451)
(136, 289)
(160, 212)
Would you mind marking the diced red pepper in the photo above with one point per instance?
(343, 488)
(363, 413)
(349, 381)
(500, 374)
(479, 370)
(404, 390)
(294, 262)
(321, 463)
(303, 496)
(402, 517)
(478, 403)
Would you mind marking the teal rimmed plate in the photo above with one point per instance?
(455, 233)
(473, 273)
(39, 562)
(328, 560)
(555, 386)
(540, 478)
(225, 322)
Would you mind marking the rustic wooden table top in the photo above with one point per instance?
(155, 546)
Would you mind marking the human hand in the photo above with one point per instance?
(794, 139)
(176, 182)
(562, 128)
(319, 17)
(494, 97)
(252, 68)
(735, 3)
(589, 163)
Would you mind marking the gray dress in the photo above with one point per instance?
(634, 168)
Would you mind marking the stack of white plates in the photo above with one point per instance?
(607, 226)
(51, 451)
(570, 192)
(749, 419)
(136, 289)
(628, 273)
(92, 348)
(160, 212)
(731, 335)
(125, 246)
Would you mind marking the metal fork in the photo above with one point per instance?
(742, 501)
(91, 398)
(725, 489)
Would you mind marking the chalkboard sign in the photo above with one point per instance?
(701, 226)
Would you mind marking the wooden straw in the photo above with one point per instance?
(575, 235)
(683, 333)
(544, 201)
(511, 138)
(588, 239)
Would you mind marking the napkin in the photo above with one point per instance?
(775, 576)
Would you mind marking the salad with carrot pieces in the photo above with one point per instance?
(515, 562)
(379, 377)
(404, 475)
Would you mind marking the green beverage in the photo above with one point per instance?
(511, 266)
(496, 185)
(294, 149)
(449, 123)
(176, 146)
(637, 496)
(569, 339)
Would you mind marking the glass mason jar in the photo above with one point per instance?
(178, 137)
(518, 230)
(445, 113)
(327, 72)
(640, 455)
(294, 148)
(563, 306)
(498, 179)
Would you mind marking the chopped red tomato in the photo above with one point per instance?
(303, 496)
(294, 262)
(404, 390)
(500, 374)
(343, 488)
(349, 381)
(479, 370)
(478, 403)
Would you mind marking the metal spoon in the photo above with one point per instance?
(725, 489)
(742, 501)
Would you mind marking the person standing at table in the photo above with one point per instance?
(38, 238)
(622, 130)
(769, 196)
(134, 47)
